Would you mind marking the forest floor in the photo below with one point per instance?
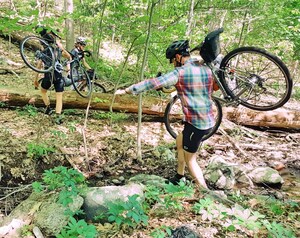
(106, 150)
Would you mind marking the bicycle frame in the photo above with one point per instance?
(226, 99)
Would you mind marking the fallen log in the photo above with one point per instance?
(100, 101)
(279, 118)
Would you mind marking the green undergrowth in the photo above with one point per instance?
(258, 216)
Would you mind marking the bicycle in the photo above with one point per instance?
(35, 49)
(248, 76)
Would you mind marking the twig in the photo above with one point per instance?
(16, 191)
(242, 152)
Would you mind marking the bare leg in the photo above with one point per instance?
(45, 97)
(180, 155)
(59, 102)
(194, 168)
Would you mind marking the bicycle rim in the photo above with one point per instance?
(34, 50)
(80, 80)
(98, 88)
(173, 117)
(260, 80)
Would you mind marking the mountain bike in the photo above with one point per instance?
(248, 76)
(35, 49)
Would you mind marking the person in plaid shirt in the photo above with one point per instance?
(194, 84)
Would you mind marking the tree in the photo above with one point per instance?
(69, 24)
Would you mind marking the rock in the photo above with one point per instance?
(96, 199)
(219, 174)
(51, 218)
(43, 210)
(147, 179)
(266, 176)
(184, 232)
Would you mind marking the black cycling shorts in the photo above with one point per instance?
(192, 137)
(58, 81)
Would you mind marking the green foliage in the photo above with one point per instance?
(129, 213)
(100, 100)
(37, 150)
(68, 181)
(37, 186)
(174, 194)
(59, 134)
(28, 110)
(113, 116)
(3, 104)
(277, 230)
(238, 216)
(296, 93)
(70, 111)
(78, 229)
(162, 232)
(26, 231)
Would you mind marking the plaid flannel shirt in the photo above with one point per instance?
(194, 84)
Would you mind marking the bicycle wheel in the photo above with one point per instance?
(80, 79)
(34, 51)
(260, 80)
(98, 88)
(173, 117)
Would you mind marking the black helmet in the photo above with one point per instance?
(44, 32)
(178, 47)
(41, 30)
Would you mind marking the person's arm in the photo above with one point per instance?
(64, 53)
(85, 64)
(168, 79)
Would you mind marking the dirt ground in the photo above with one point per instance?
(105, 152)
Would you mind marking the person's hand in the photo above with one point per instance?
(120, 92)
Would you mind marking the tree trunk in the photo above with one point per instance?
(69, 25)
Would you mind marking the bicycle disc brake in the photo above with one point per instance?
(58, 67)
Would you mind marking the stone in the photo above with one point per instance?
(266, 176)
(97, 199)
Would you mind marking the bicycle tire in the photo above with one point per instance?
(98, 88)
(173, 117)
(257, 78)
(34, 49)
(80, 79)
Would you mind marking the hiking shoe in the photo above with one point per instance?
(58, 119)
(176, 179)
(48, 110)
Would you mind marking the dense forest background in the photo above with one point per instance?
(118, 30)
(128, 39)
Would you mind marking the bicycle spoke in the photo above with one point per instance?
(258, 78)
(37, 54)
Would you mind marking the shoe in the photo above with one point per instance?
(48, 110)
(58, 119)
(176, 179)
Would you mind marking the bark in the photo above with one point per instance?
(279, 118)
(100, 101)
(69, 25)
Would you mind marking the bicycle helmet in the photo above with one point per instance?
(178, 47)
(44, 32)
(81, 40)
(41, 30)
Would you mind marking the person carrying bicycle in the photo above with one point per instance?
(194, 84)
(78, 51)
(55, 77)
